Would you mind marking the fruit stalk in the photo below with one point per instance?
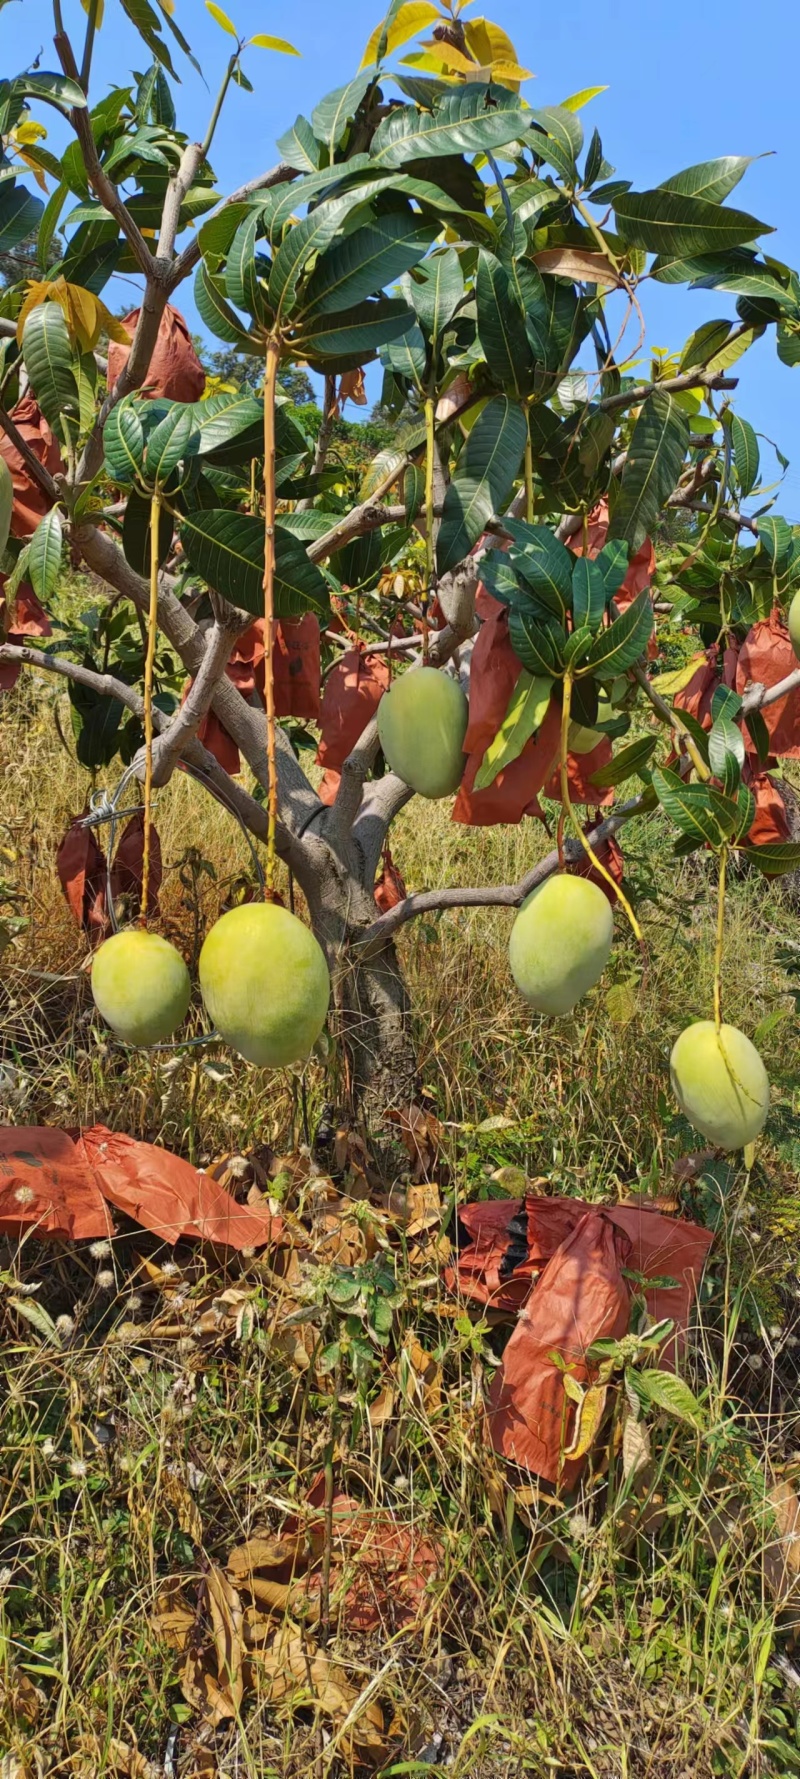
(718, 949)
(272, 362)
(430, 464)
(152, 627)
(567, 803)
(529, 500)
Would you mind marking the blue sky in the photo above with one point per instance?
(684, 84)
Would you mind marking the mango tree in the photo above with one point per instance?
(427, 215)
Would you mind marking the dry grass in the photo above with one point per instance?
(642, 1641)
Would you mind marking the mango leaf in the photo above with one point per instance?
(544, 562)
(435, 291)
(667, 222)
(215, 310)
(703, 343)
(407, 357)
(137, 533)
(19, 215)
(612, 562)
(483, 479)
(501, 326)
(775, 538)
(746, 808)
(299, 147)
(620, 646)
(44, 554)
(48, 356)
(663, 1389)
(588, 594)
(713, 180)
(470, 120)
(241, 269)
(698, 810)
(310, 236)
(745, 453)
(760, 736)
(725, 703)
(525, 714)
(227, 550)
(726, 753)
(628, 763)
(175, 437)
(655, 459)
(53, 89)
(358, 332)
(537, 642)
(330, 118)
(775, 857)
(369, 259)
(123, 442)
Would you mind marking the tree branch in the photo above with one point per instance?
(758, 696)
(696, 379)
(197, 703)
(192, 253)
(504, 895)
(103, 683)
(179, 185)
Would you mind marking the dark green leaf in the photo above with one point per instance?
(746, 807)
(330, 118)
(612, 562)
(215, 310)
(123, 442)
(55, 89)
(713, 180)
(435, 290)
(745, 453)
(136, 533)
(49, 362)
(775, 857)
(227, 550)
(725, 703)
(537, 642)
(698, 810)
(501, 327)
(544, 562)
(49, 224)
(148, 25)
(299, 146)
(366, 261)
(703, 343)
(44, 554)
(775, 538)
(310, 236)
(174, 437)
(760, 736)
(655, 459)
(620, 646)
(471, 119)
(357, 333)
(588, 594)
(96, 723)
(726, 753)
(484, 477)
(241, 269)
(19, 215)
(628, 763)
(665, 222)
(407, 357)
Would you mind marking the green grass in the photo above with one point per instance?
(639, 1637)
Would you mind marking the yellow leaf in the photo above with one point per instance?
(83, 320)
(36, 170)
(451, 58)
(587, 1422)
(38, 292)
(415, 16)
(510, 73)
(112, 326)
(29, 131)
(670, 683)
(578, 100)
(98, 19)
(222, 19)
(488, 43)
(279, 43)
(430, 64)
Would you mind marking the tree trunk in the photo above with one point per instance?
(371, 1009)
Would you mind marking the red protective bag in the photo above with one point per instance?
(175, 370)
(581, 1297)
(30, 501)
(169, 1196)
(766, 656)
(771, 822)
(609, 853)
(389, 887)
(81, 867)
(353, 691)
(579, 771)
(128, 868)
(296, 668)
(494, 671)
(48, 1188)
(28, 618)
(640, 568)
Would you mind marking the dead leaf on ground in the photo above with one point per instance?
(187, 1512)
(300, 1674)
(19, 1697)
(126, 1760)
(781, 1554)
(420, 1133)
(174, 1619)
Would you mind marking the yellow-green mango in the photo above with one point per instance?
(422, 721)
(720, 1083)
(141, 986)
(265, 984)
(560, 942)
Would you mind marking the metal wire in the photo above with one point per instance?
(104, 808)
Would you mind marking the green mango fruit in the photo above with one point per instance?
(265, 984)
(422, 721)
(141, 986)
(560, 942)
(720, 1083)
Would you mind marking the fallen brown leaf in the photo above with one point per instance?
(299, 1673)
